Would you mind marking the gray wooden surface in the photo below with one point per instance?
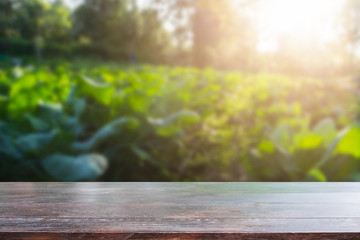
(179, 210)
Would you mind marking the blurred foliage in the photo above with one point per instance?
(202, 33)
(112, 29)
(123, 30)
(221, 32)
(27, 19)
(74, 122)
(90, 120)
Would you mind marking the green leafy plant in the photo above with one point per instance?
(305, 154)
(73, 122)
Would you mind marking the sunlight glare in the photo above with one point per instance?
(313, 19)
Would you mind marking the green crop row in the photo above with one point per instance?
(77, 123)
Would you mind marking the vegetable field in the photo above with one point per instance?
(72, 122)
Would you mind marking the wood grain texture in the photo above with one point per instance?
(179, 211)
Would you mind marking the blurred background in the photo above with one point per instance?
(179, 90)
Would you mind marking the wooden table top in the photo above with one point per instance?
(179, 210)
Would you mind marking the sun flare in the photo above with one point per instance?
(297, 19)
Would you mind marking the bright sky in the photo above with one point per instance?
(309, 19)
(73, 3)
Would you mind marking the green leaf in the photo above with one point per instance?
(307, 140)
(281, 137)
(317, 174)
(326, 129)
(73, 125)
(103, 134)
(51, 110)
(171, 125)
(7, 147)
(143, 155)
(350, 143)
(35, 142)
(266, 146)
(139, 152)
(37, 123)
(86, 167)
(101, 92)
(167, 131)
(184, 115)
(79, 106)
(330, 149)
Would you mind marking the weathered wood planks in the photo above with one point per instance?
(179, 210)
